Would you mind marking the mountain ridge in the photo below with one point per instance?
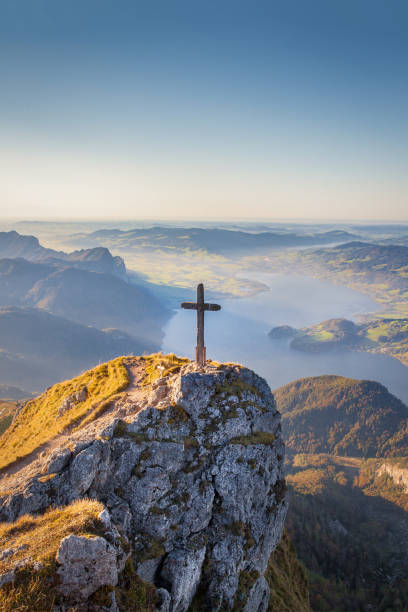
(98, 259)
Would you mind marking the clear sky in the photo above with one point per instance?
(204, 108)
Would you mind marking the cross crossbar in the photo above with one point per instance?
(200, 306)
(205, 306)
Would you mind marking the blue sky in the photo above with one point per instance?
(294, 109)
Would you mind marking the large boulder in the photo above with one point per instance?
(85, 564)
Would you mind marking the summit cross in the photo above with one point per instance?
(200, 306)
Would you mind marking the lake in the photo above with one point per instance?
(238, 333)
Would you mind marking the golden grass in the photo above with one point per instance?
(321, 335)
(34, 590)
(100, 409)
(159, 365)
(41, 535)
(38, 422)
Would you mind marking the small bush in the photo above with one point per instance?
(259, 437)
(133, 593)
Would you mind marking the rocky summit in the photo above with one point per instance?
(180, 477)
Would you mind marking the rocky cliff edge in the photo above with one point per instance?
(187, 469)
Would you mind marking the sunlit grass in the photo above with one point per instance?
(159, 365)
(38, 538)
(39, 421)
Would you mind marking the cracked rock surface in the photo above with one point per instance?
(192, 478)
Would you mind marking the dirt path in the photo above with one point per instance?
(136, 373)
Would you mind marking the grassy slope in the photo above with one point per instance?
(35, 589)
(39, 536)
(38, 422)
(343, 416)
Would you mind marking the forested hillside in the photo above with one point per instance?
(347, 468)
(342, 416)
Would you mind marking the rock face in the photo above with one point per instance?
(398, 474)
(192, 477)
(85, 565)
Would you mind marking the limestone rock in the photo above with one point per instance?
(84, 468)
(182, 571)
(85, 565)
(165, 600)
(193, 478)
(258, 597)
(57, 460)
(70, 401)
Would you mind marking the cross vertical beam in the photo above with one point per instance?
(200, 306)
(200, 348)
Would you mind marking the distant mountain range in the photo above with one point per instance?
(359, 255)
(377, 269)
(48, 301)
(9, 392)
(101, 300)
(212, 240)
(80, 287)
(99, 259)
(366, 262)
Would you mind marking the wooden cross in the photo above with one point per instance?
(200, 306)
